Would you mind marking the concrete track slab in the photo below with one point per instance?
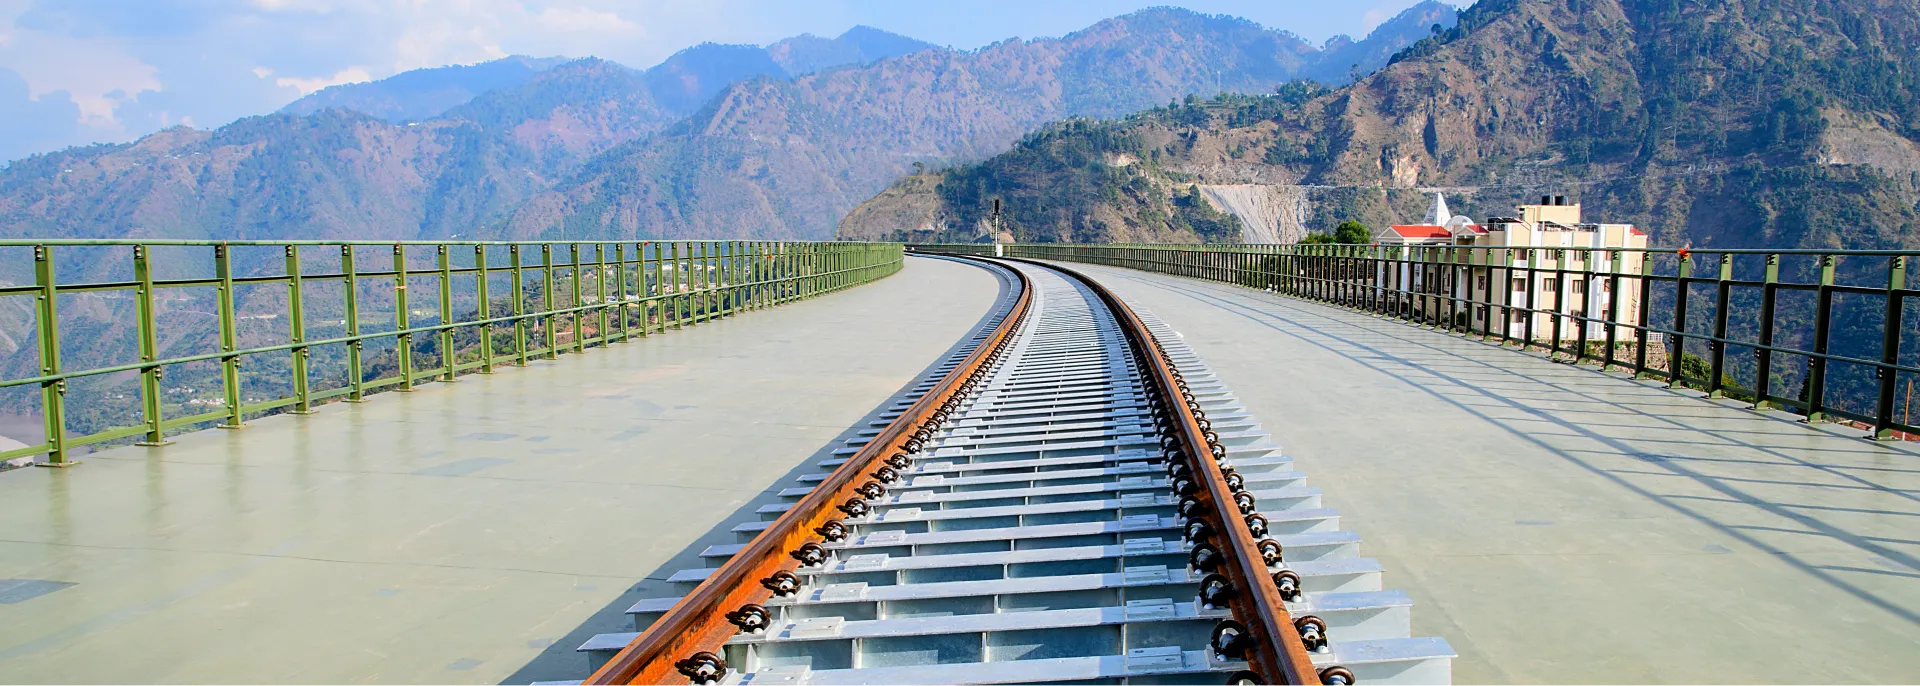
(452, 534)
(1561, 525)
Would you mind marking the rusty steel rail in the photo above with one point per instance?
(1267, 635)
(685, 643)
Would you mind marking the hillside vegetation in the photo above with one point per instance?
(1733, 123)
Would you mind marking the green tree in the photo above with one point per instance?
(1317, 238)
(1351, 231)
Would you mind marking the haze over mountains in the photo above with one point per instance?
(717, 141)
(1735, 123)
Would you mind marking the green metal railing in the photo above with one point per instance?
(1741, 323)
(593, 294)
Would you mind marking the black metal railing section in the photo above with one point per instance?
(107, 341)
(1831, 335)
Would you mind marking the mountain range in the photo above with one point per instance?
(1732, 123)
(735, 141)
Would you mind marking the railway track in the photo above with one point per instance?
(1074, 497)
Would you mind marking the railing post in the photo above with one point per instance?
(547, 302)
(519, 286)
(447, 357)
(1890, 347)
(650, 288)
(1560, 290)
(1532, 300)
(1763, 353)
(1722, 299)
(151, 399)
(229, 336)
(356, 374)
(1817, 362)
(1679, 341)
(297, 333)
(620, 291)
(1612, 318)
(1644, 315)
(673, 300)
(403, 345)
(53, 394)
(578, 316)
(484, 309)
(600, 292)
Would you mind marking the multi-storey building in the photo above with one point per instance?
(1534, 274)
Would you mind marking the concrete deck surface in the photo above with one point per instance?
(455, 534)
(1560, 525)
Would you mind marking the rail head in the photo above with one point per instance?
(685, 643)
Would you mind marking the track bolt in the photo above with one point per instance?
(1215, 591)
(900, 461)
(1313, 632)
(751, 618)
(1245, 502)
(872, 489)
(810, 554)
(1337, 676)
(703, 667)
(886, 475)
(1230, 640)
(1271, 551)
(1204, 557)
(1288, 581)
(834, 532)
(1257, 524)
(855, 507)
(782, 583)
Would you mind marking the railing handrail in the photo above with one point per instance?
(605, 285)
(207, 243)
(1429, 285)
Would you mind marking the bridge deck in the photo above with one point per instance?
(455, 534)
(1559, 525)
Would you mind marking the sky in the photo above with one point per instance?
(75, 72)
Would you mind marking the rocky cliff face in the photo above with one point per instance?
(1741, 123)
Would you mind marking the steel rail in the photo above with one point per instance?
(685, 642)
(1276, 650)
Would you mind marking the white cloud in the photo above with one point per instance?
(305, 86)
(586, 20)
(98, 73)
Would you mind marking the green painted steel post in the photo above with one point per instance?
(1612, 318)
(53, 394)
(1763, 354)
(1890, 347)
(600, 293)
(1645, 296)
(547, 301)
(297, 334)
(448, 358)
(519, 286)
(649, 287)
(403, 342)
(151, 400)
(1678, 344)
(579, 316)
(229, 335)
(1722, 299)
(484, 308)
(1817, 362)
(674, 301)
(356, 374)
(620, 291)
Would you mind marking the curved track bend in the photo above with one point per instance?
(1075, 498)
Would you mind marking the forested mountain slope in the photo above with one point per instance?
(1732, 123)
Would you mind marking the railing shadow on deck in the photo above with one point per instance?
(1361, 339)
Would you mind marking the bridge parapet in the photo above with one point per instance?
(1831, 335)
(287, 325)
